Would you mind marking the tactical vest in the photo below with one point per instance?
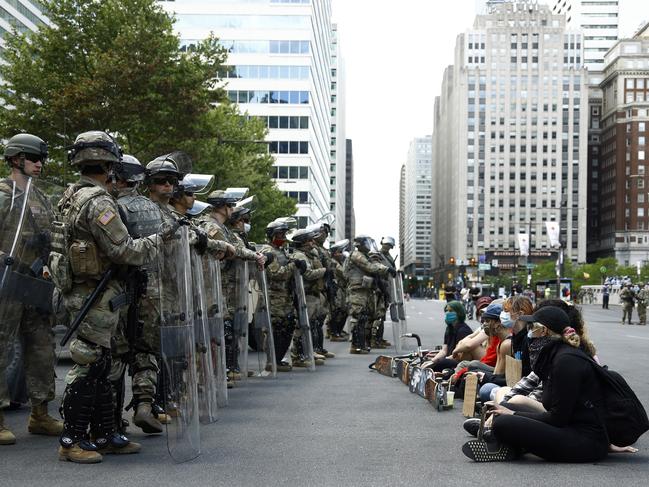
(354, 274)
(141, 216)
(276, 286)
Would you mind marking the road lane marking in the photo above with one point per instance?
(635, 336)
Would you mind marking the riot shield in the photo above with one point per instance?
(178, 348)
(401, 310)
(305, 343)
(207, 386)
(215, 308)
(394, 315)
(241, 319)
(261, 328)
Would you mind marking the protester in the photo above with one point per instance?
(456, 330)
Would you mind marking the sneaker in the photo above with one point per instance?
(471, 426)
(482, 451)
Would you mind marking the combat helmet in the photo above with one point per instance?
(243, 209)
(303, 235)
(364, 242)
(130, 169)
(94, 146)
(388, 241)
(162, 165)
(280, 225)
(27, 144)
(226, 197)
(339, 246)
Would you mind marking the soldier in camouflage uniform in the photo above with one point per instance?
(361, 273)
(280, 278)
(26, 155)
(98, 240)
(313, 277)
(643, 300)
(213, 222)
(339, 308)
(383, 294)
(627, 298)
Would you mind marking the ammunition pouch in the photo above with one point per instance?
(367, 282)
(84, 259)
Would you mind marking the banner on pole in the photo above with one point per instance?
(553, 233)
(524, 243)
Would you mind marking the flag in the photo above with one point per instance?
(524, 243)
(553, 233)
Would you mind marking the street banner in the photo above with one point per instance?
(553, 233)
(524, 243)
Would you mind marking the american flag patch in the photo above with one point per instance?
(106, 217)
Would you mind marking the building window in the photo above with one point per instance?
(290, 147)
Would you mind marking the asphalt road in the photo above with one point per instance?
(342, 425)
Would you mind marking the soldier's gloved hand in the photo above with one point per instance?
(261, 260)
(270, 257)
(167, 229)
(184, 221)
(329, 274)
(392, 272)
(229, 250)
(301, 265)
(201, 241)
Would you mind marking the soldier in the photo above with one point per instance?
(360, 273)
(213, 222)
(383, 296)
(627, 298)
(138, 346)
(313, 277)
(643, 299)
(26, 155)
(339, 308)
(280, 276)
(98, 240)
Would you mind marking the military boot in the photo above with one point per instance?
(41, 423)
(77, 454)
(6, 436)
(119, 445)
(145, 420)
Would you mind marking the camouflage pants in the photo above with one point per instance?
(34, 330)
(361, 306)
(627, 312)
(378, 316)
(642, 314)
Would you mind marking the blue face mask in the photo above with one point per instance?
(450, 317)
(506, 319)
(530, 335)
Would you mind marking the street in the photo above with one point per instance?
(342, 425)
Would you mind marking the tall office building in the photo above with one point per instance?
(280, 53)
(23, 15)
(509, 145)
(402, 213)
(337, 168)
(417, 217)
(350, 215)
(623, 203)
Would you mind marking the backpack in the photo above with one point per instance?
(624, 416)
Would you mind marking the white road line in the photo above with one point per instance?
(635, 336)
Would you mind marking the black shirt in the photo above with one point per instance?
(520, 350)
(454, 334)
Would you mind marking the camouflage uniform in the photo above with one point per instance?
(32, 325)
(339, 308)
(383, 301)
(360, 273)
(100, 239)
(643, 300)
(627, 300)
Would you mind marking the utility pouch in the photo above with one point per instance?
(367, 282)
(84, 259)
(61, 271)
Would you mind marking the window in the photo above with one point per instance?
(288, 147)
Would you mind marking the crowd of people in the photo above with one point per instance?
(167, 289)
(554, 407)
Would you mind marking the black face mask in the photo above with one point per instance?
(537, 347)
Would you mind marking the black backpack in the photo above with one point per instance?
(623, 414)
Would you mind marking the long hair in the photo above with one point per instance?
(576, 322)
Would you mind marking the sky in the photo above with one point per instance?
(395, 54)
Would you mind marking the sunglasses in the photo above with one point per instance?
(34, 159)
(168, 180)
(189, 193)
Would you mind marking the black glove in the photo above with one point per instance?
(329, 274)
(301, 265)
(269, 257)
(184, 221)
(392, 271)
(201, 241)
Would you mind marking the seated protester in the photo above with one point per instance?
(571, 429)
(456, 330)
(513, 309)
(491, 380)
(471, 350)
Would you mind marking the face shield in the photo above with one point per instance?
(197, 184)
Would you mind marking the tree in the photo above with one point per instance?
(108, 65)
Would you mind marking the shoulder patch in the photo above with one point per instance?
(106, 216)
(213, 233)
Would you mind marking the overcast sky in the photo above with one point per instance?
(395, 54)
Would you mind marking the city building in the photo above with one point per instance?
(338, 164)
(402, 213)
(417, 237)
(281, 57)
(350, 215)
(509, 141)
(23, 15)
(623, 190)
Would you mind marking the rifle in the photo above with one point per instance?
(90, 300)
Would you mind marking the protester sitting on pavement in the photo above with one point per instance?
(570, 430)
(456, 330)
(470, 351)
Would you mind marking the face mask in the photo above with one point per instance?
(247, 227)
(506, 319)
(530, 335)
(450, 317)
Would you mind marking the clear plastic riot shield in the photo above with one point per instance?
(215, 308)
(401, 309)
(178, 348)
(207, 386)
(394, 316)
(261, 329)
(241, 318)
(305, 342)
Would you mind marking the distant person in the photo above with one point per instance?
(627, 299)
(547, 293)
(606, 291)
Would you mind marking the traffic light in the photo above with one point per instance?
(473, 261)
(451, 261)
